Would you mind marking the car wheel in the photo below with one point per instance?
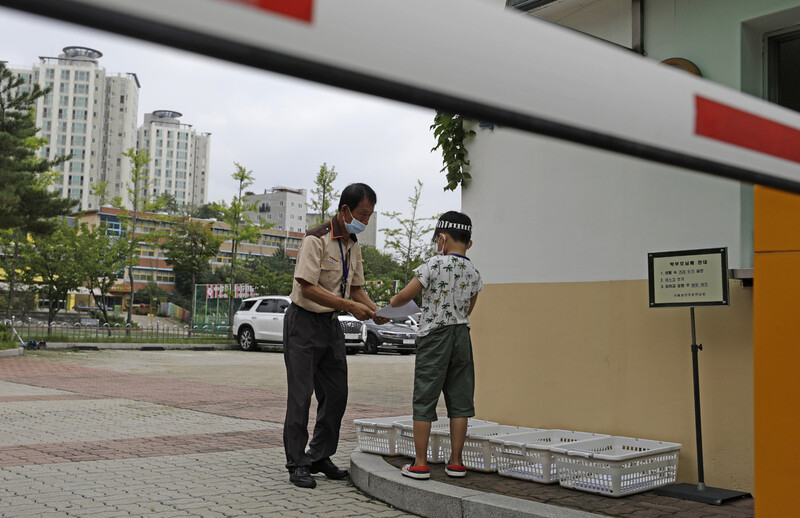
(371, 347)
(247, 342)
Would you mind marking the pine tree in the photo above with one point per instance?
(25, 202)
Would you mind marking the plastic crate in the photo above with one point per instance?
(378, 434)
(528, 456)
(479, 453)
(439, 429)
(616, 466)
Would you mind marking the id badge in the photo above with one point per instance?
(344, 289)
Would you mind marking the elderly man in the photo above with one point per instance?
(328, 280)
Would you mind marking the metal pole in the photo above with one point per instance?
(701, 485)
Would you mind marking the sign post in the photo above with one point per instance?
(692, 278)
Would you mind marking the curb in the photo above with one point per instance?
(96, 346)
(373, 475)
(11, 352)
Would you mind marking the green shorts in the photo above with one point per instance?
(444, 364)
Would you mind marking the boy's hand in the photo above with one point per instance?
(380, 320)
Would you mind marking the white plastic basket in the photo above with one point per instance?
(378, 434)
(528, 456)
(439, 429)
(479, 453)
(616, 466)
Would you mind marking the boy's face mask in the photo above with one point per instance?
(443, 239)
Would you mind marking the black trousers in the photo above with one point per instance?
(314, 353)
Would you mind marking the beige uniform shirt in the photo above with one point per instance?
(319, 262)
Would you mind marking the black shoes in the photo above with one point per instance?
(330, 470)
(301, 477)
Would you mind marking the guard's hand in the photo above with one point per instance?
(380, 320)
(362, 312)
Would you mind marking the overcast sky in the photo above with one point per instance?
(279, 127)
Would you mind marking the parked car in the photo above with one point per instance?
(259, 320)
(397, 335)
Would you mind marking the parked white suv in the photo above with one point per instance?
(260, 320)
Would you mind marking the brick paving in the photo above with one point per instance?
(80, 441)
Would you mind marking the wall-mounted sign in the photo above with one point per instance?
(688, 278)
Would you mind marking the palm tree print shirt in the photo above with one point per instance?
(449, 282)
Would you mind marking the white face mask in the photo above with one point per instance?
(438, 250)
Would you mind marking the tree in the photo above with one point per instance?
(140, 199)
(324, 193)
(379, 265)
(271, 275)
(25, 202)
(242, 227)
(12, 244)
(170, 204)
(189, 248)
(407, 240)
(54, 267)
(102, 259)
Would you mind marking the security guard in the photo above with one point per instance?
(328, 280)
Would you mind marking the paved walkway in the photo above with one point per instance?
(102, 442)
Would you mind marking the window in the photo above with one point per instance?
(267, 306)
(81, 75)
(79, 127)
(81, 101)
(63, 100)
(50, 73)
(783, 69)
(81, 89)
(64, 74)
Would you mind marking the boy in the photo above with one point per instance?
(450, 285)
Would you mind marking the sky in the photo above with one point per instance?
(281, 128)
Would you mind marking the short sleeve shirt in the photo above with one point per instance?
(320, 262)
(449, 282)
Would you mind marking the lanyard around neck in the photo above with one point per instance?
(345, 269)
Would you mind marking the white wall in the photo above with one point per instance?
(548, 211)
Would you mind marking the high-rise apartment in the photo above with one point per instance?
(285, 208)
(179, 157)
(90, 115)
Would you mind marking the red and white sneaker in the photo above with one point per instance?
(455, 470)
(418, 472)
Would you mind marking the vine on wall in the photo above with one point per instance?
(448, 129)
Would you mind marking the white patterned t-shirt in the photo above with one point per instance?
(449, 282)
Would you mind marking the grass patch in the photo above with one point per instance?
(14, 345)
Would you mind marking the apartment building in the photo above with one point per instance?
(284, 207)
(179, 157)
(89, 114)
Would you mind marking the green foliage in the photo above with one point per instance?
(272, 275)
(206, 212)
(379, 265)
(52, 267)
(243, 229)
(380, 292)
(448, 129)
(408, 241)
(25, 202)
(140, 199)
(325, 196)
(102, 259)
(188, 248)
